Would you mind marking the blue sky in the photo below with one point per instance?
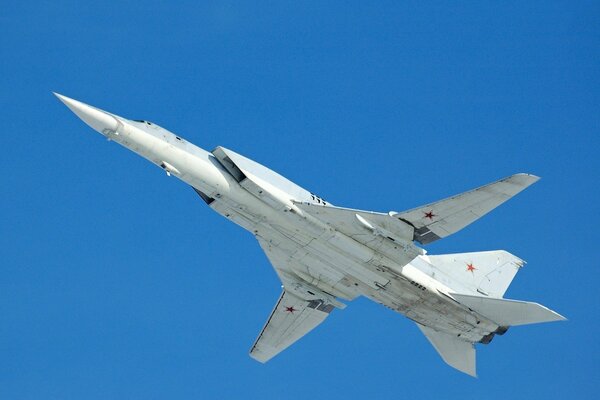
(118, 282)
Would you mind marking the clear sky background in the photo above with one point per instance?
(117, 282)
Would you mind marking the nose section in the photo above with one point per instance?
(99, 120)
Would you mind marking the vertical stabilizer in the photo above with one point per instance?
(486, 272)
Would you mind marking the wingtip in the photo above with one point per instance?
(258, 356)
(561, 317)
(533, 177)
(523, 179)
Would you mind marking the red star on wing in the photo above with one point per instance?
(470, 267)
(290, 309)
(429, 215)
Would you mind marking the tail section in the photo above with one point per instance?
(488, 272)
(460, 354)
(479, 280)
(508, 312)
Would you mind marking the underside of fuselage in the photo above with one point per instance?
(327, 269)
(324, 254)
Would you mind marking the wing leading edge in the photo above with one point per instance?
(300, 308)
(427, 223)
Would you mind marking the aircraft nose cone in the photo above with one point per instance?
(99, 120)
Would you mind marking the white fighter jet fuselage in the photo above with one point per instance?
(324, 253)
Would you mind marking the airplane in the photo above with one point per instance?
(324, 254)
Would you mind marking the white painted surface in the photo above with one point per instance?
(322, 253)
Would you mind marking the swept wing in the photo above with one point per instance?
(430, 222)
(300, 308)
(291, 319)
(445, 217)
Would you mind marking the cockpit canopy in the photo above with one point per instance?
(151, 127)
(143, 122)
(146, 125)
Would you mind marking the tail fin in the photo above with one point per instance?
(487, 272)
(508, 312)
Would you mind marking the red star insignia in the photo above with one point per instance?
(429, 214)
(470, 267)
(290, 309)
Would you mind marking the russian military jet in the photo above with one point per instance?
(324, 254)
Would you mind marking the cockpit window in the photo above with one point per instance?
(143, 122)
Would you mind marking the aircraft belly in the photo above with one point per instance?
(431, 310)
(326, 253)
(360, 264)
(236, 214)
(340, 266)
(346, 263)
(321, 274)
(345, 268)
(310, 266)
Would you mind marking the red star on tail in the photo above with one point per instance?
(470, 267)
(290, 309)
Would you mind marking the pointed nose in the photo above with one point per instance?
(99, 120)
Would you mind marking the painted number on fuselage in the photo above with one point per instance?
(317, 199)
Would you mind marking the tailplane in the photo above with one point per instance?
(455, 352)
(508, 312)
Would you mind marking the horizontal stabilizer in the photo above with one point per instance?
(508, 312)
(455, 352)
(445, 217)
